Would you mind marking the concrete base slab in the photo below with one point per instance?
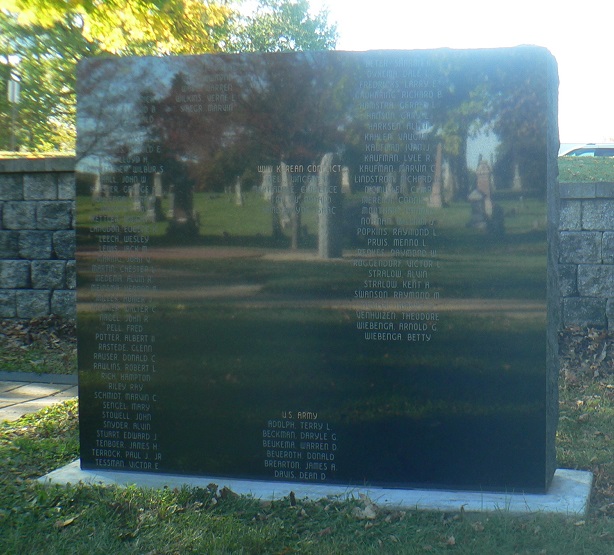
(568, 495)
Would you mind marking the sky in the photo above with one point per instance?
(580, 35)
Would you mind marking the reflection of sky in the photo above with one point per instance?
(483, 144)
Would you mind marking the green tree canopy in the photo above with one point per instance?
(281, 26)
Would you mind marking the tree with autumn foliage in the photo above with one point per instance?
(41, 42)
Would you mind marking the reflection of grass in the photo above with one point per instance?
(221, 218)
(473, 275)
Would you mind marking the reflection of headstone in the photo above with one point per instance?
(286, 198)
(97, 191)
(484, 185)
(266, 187)
(517, 181)
(435, 200)
(150, 205)
(448, 183)
(391, 190)
(478, 211)
(171, 202)
(329, 209)
(238, 192)
(154, 202)
(137, 201)
(345, 180)
(158, 192)
(403, 183)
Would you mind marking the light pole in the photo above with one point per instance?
(13, 97)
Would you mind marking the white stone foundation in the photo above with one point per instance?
(569, 492)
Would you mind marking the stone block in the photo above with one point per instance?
(604, 190)
(64, 244)
(568, 280)
(14, 274)
(19, 215)
(577, 190)
(609, 312)
(579, 311)
(8, 308)
(35, 245)
(71, 274)
(11, 187)
(598, 214)
(570, 217)
(55, 215)
(577, 247)
(32, 304)
(9, 244)
(596, 280)
(607, 247)
(66, 186)
(48, 274)
(40, 186)
(63, 303)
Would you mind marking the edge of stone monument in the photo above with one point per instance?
(568, 495)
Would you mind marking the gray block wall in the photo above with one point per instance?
(586, 254)
(37, 244)
(37, 238)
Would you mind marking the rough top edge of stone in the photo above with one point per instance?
(537, 49)
(24, 165)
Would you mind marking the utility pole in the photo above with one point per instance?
(13, 97)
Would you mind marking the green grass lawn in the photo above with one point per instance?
(103, 520)
(585, 169)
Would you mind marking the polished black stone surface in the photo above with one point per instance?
(321, 267)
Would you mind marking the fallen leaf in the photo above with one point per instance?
(368, 513)
(478, 526)
(227, 493)
(64, 523)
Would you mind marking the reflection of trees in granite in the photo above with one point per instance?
(503, 94)
(293, 109)
(282, 111)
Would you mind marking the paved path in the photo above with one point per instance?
(23, 393)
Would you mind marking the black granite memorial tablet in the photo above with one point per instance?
(318, 267)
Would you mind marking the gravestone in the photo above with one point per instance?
(341, 324)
